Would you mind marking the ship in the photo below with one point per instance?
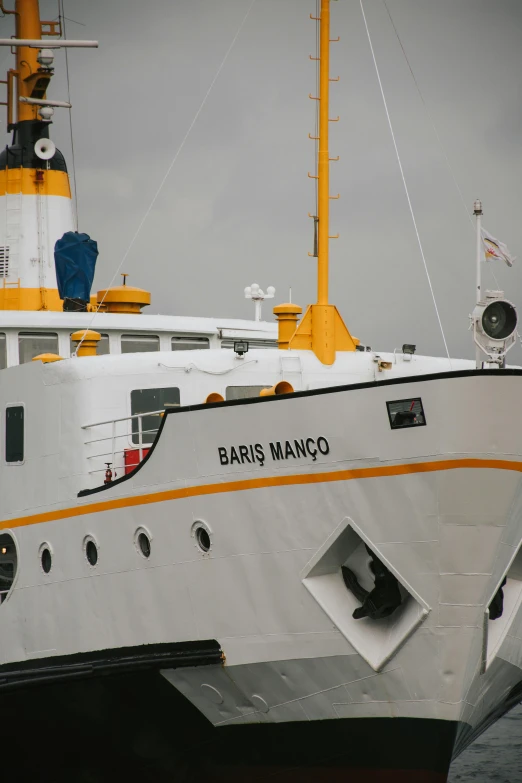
(292, 563)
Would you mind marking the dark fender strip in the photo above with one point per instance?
(103, 663)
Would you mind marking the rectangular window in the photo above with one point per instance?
(139, 343)
(243, 392)
(14, 434)
(3, 352)
(145, 401)
(189, 343)
(406, 413)
(31, 344)
(102, 348)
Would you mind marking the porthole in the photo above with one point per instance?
(203, 539)
(91, 551)
(144, 544)
(46, 559)
(202, 535)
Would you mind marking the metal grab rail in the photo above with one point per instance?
(115, 435)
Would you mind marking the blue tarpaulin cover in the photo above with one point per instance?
(75, 259)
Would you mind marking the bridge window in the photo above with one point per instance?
(189, 343)
(8, 563)
(243, 392)
(14, 434)
(3, 352)
(102, 348)
(31, 344)
(139, 343)
(406, 413)
(148, 400)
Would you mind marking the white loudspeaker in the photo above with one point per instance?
(45, 149)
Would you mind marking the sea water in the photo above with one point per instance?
(496, 756)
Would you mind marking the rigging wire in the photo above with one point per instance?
(435, 131)
(170, 167)
(419, 242)
(62, 17)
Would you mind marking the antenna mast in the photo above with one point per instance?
(322, 329)
(323, 168)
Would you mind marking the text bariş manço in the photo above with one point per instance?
(277, 450)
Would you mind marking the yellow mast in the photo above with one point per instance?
(28, 26)
(322, 329)
(323, 171)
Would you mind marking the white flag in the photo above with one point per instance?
(495, 250)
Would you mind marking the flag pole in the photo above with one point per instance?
(477, 211)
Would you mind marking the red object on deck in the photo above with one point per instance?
(132, 458)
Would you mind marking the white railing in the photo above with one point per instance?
(114, 437)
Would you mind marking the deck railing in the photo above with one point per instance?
(109, 441)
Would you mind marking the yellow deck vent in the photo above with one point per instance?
(283, 387)
(214, 397)
(87, 340)
(47, 358)
(287, 315)
(124, 298)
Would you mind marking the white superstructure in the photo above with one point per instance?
(300, 564)
(287, 490)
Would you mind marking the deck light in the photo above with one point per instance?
(407, 348)
(494, 321)
(240, 347)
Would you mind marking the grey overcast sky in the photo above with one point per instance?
(234, 207)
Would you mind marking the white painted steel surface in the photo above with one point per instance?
(449, 535)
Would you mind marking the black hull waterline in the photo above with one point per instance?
(115, 717)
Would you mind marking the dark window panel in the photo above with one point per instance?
(14, 434)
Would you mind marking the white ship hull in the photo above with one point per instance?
(301, 685)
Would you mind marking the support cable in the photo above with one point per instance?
(404, 182)
(61, 17)
(435, 131)
(169, 169)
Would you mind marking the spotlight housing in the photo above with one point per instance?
(494, 321)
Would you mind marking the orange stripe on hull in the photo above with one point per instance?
(263, 483)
